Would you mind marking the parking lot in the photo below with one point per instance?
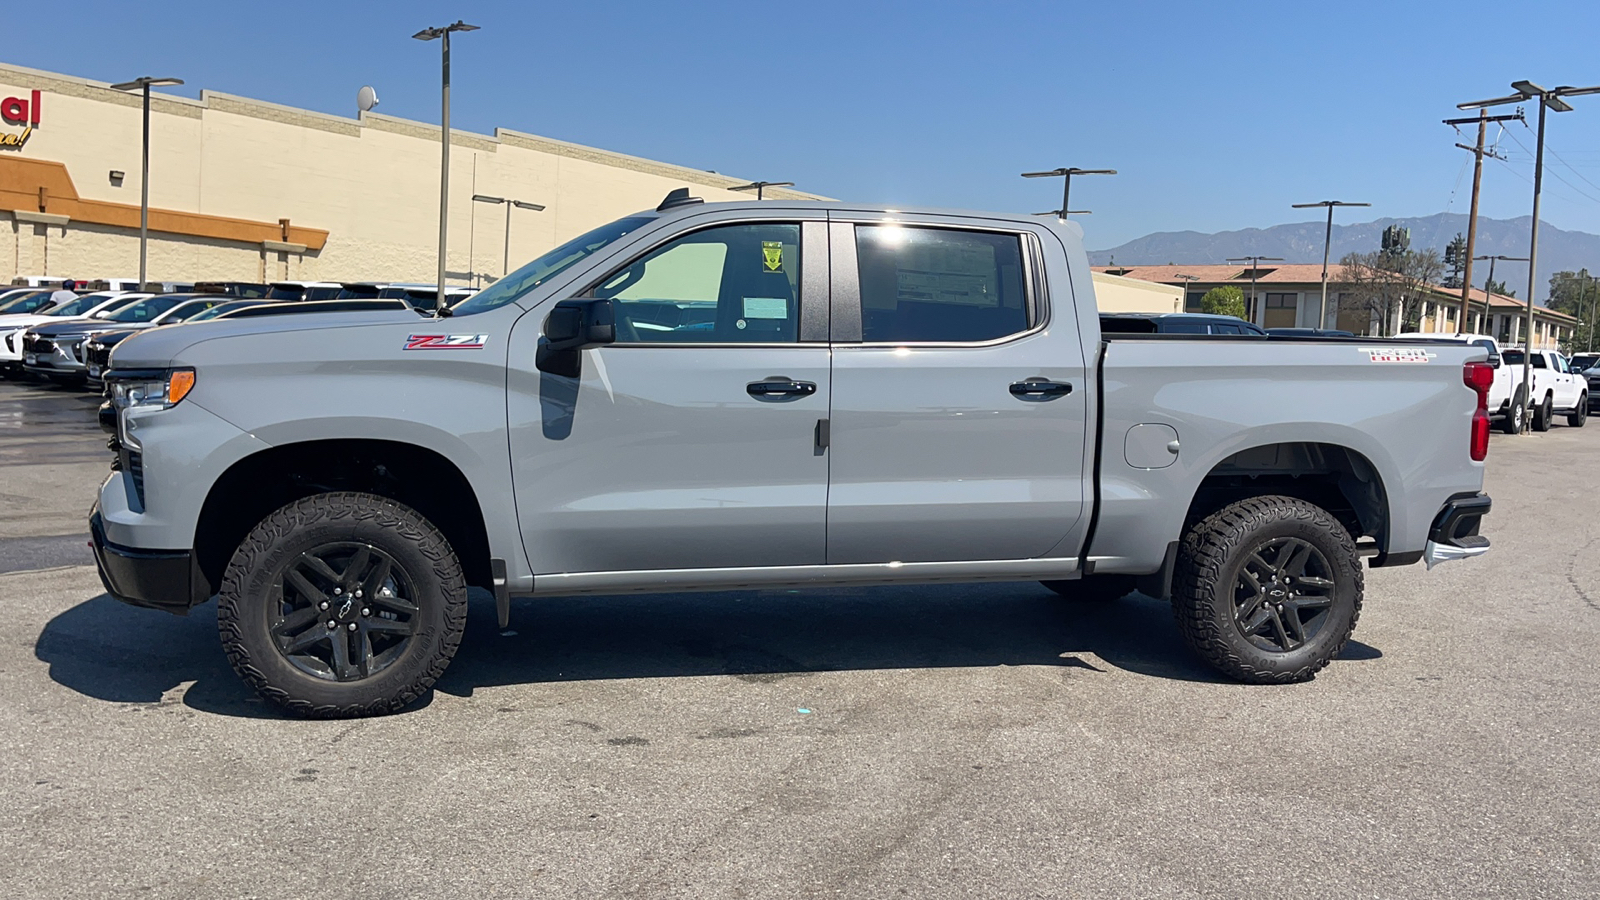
(958, 741)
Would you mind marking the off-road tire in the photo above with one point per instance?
(1204, 586)
(1580, 413)
(1094, 588)
(416, 547)
(1544, 414)
(1512, 423)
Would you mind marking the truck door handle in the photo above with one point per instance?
(1038, 388)
(780, 387)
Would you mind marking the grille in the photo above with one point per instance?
(34, 344)
(97, 355)
(11, 342)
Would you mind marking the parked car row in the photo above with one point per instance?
(49, 334)
(1555, 386)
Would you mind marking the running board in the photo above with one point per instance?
(850, 575)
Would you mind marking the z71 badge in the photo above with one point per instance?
(446, 341)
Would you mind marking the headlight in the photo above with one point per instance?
(145, 390)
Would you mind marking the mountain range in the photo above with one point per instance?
(1302, 243)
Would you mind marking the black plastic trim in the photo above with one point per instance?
(1159, 584)
(168, 580)
(1461, 517)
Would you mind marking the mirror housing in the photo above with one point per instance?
(573, 325)
(1494, 360)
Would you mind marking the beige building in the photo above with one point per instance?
(1114, 293)
(246, 190)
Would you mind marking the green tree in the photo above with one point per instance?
(1577, 294)
(1226, 300)
(1499, 287)
(1389, 285)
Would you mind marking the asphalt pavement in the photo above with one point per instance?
(955, 741)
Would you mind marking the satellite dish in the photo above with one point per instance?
(366, 98)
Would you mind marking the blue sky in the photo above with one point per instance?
(1218, 116)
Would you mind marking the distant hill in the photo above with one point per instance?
(1302, 243)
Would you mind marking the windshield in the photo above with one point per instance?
(79, 306)
(359, 292)
(25, 303)
(219, 309)
(186, 311)
(144, 310)
(1583, 361)
(553, 263)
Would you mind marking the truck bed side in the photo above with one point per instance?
(1337, 421)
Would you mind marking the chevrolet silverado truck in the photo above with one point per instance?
(766, 394)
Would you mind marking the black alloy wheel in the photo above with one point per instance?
(1283, 594)
(1580, 413)
(346, 611)
(1543, 415)
(342, 604)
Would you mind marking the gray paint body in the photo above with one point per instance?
(655, 470)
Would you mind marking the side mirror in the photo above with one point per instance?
(570, 327)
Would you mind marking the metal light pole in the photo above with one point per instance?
(1257, 313)
(1066, 188)
(1548, 100)
(505, 261)
(1327, 243)
(1490, 280)
(759, 186)
(143, 84)
(1187, 281)
(428, 34)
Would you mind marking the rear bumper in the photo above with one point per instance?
(1454, 534)
(156, 579)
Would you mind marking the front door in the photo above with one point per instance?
(692, 442)
(958, 406)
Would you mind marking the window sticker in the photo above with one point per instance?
(766, 308)
(772, 256)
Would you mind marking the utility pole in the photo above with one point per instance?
(429, 34)
(1478, 154)
(1066, 188)
(1257, 314)
(1327, 242)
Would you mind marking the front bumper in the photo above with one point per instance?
(156, 579)
(1455, 530)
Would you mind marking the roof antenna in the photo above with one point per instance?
(676, 198)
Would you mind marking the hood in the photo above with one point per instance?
(157, 347)
(112, 338)
(24, 320)
(56, 328)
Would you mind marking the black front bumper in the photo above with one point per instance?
(156, 579)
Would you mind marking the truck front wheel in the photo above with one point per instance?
(342, 605)
(1267, 590)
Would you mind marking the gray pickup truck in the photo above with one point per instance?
(750, 395)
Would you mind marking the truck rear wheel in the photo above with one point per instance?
(1580, 413)
(342, 605)
(1267, 590)
(1543, 415)
(1512, 423)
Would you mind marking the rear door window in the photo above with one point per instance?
(940, 285)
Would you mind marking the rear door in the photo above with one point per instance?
(958, 398)
(693, 441)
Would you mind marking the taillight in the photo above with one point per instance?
(1480, 377)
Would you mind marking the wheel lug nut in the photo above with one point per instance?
(322, 605)
(338, 591)
(365, 611)
(332, 624)
(352, 626)
(358, 593)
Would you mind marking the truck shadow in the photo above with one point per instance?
(112, 652)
